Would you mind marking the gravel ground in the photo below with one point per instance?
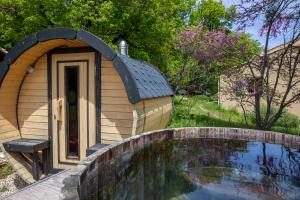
(11, 183)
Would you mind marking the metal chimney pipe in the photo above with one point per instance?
(123, 47)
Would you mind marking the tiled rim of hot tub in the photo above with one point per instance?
(83, 179)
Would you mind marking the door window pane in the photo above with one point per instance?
(72, 109)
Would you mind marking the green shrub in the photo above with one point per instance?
(3, 189)
(5, 170)
(287, 120)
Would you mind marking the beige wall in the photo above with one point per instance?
(152, 114)
(119, 118)
(33, 102)
(9, 95)
(8, 121)
(225, 97)
(116, 110)
(117, 113)
(226, 101)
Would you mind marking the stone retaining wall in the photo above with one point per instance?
(83, 180)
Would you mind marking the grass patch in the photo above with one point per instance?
(3, 189)
(5, 170)
(200, 111)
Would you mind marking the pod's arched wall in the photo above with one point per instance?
(33, 102)
(116, 110)
(24, 102)
(9, 95)
(152, 114)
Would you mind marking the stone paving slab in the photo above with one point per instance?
(46, 189)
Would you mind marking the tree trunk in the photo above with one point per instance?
(265, 162)
(181, 74)
(257, 113)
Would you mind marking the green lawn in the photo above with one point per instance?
(5, 170)
(201, 111)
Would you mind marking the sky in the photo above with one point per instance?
(254, 30)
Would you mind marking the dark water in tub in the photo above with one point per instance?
(204, 169)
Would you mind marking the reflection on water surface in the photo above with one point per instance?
(208, 169)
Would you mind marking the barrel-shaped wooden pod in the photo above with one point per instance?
(65, 91)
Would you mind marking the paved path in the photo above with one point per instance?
(47, 189)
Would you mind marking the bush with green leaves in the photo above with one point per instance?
(287, 120)
(5, 170)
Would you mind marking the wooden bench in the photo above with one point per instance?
(31, 146)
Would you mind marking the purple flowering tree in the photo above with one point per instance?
(208, 53)
(271, 78)
(207, 46)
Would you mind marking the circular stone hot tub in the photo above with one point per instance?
(191, 163)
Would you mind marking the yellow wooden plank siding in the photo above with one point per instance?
(152, 114)
(116, 110)
(8, 121)
(9, 93)
(33, 99)
(33, 103)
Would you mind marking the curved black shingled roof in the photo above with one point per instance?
(142, 80)
(149, 81)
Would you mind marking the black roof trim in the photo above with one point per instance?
(21, 47)
(142, 80)
(3, 71)
(96, 43)
(56, 33)
(59, 33)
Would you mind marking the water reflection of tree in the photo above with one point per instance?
(152, 173)
(209, 160)
(164, 177)
(283, 168)
(169, 169)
